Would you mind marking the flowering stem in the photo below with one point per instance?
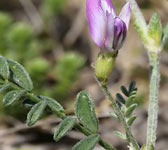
(120, 116)
(153, 100)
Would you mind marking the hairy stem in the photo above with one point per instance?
(141, 28)
(153, 99)
(120, 116)
(137, 13)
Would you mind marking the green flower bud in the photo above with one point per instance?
(104, 66)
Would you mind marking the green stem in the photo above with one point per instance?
(121, 117)
(153, 99)
(141, 27)
(33, 97)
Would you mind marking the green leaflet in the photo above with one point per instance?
(53, 104)
(36, 112)
(88, 143)
(13, 96)
(4, 87)
(120, 98)
(124, 90)
(131, 120)
(4, 68)
(20, 75)
(64, 127)
(132, 86)
(121, 135)
(131, 99)
(130, 110)
(113, 114)
(85, 111)
(155, 29)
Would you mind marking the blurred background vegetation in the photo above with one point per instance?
(52, 75)
(50, 38)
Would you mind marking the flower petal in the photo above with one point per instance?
(108, 7)
(97, 21)
(109, 33)
(125, 14)
(120, 31)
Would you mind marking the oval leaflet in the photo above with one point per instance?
(13, 96)
(36, 112)
(20, 75)
(88, 143)
(85, 111)
(4, 68)
(65, 126)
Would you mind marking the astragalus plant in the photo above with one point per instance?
(109, 31)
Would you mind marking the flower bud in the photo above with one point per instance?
(107, 29)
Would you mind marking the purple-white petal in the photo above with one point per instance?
(108, 7)
(120, 32)
(108, 44)
(125, 14)
(96, 21)
(107, 30)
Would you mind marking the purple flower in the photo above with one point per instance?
(107, 29)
